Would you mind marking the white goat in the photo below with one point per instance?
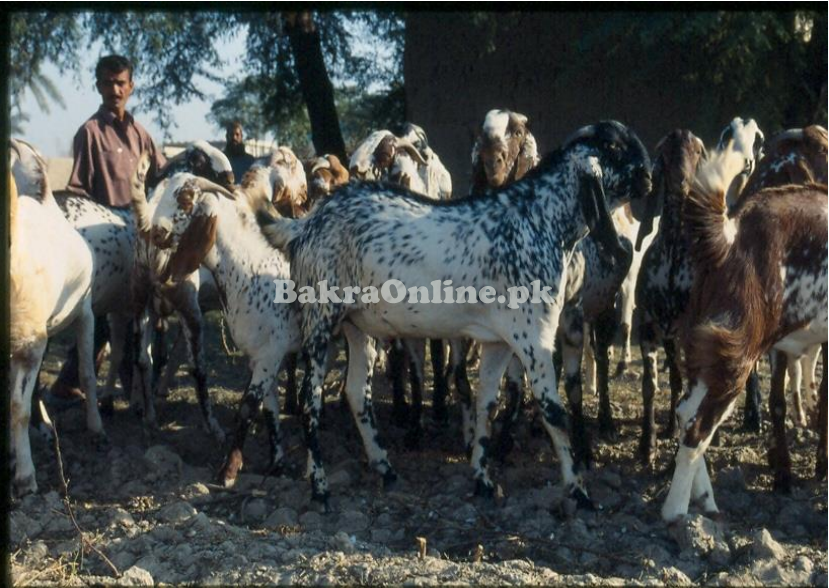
(51, 272)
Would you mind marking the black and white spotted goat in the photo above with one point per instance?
(666, 275)
(366, 235)
(408, 161)
(505, 151)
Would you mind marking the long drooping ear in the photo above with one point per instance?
(654, 204)
(195, 243)
(597, 214)
(479, 184)
(527, 156)
(340, 173)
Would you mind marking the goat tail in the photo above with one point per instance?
(710, 229)
(278, 230)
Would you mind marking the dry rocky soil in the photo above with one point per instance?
(148, 503)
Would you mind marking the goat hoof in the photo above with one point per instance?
(322, 498)
(621, 368)
(484, 489)
(230, 469)
(24, 486)
(583, 502)
(389, 479)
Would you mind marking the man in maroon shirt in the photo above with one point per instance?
(106, 150)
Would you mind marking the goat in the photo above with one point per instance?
(290, 187)
(324, 175)
(667, 274)
(367, 234)
(506, 149)
(155, 299)
(665, 277)
(51, 282)
(408, 161)
(795, 156)
(761, 282)
(374, 157)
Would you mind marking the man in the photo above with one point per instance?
(240, 160)
(106, 151)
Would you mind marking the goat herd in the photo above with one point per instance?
(736, 268)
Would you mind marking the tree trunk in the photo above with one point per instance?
(317, 90)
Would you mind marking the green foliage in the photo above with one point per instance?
(174, 52)
(363, 54)
(38, 37)
(760, 64)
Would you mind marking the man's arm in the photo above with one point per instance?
(80, 181)
(157, 161)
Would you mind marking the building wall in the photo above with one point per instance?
(456, 71)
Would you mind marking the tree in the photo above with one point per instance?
(174, 51)
(775, 62)
(38, 37)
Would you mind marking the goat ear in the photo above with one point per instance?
(479, 183)
(597, 216)
(340, 173)
(654, 204)
(195, 243)
(527, 156)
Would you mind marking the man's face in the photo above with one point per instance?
(234, 136)
(115, 89)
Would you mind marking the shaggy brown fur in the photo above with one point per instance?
(737, 306)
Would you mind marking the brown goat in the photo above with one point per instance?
(324, 175)
(796, 156)
(761, 281)
(504, 152)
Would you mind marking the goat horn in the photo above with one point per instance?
(587, 132)
(320, 163)
(409, 148)
(206, 185)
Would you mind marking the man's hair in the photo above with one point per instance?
(232, 126)
(114, 64)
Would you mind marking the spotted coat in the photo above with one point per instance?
(368, 234)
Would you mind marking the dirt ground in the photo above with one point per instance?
(147, 502)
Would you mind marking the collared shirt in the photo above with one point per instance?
(106, 153)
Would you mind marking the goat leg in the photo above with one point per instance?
(779, 458)
(441, 384)
(753, 408)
